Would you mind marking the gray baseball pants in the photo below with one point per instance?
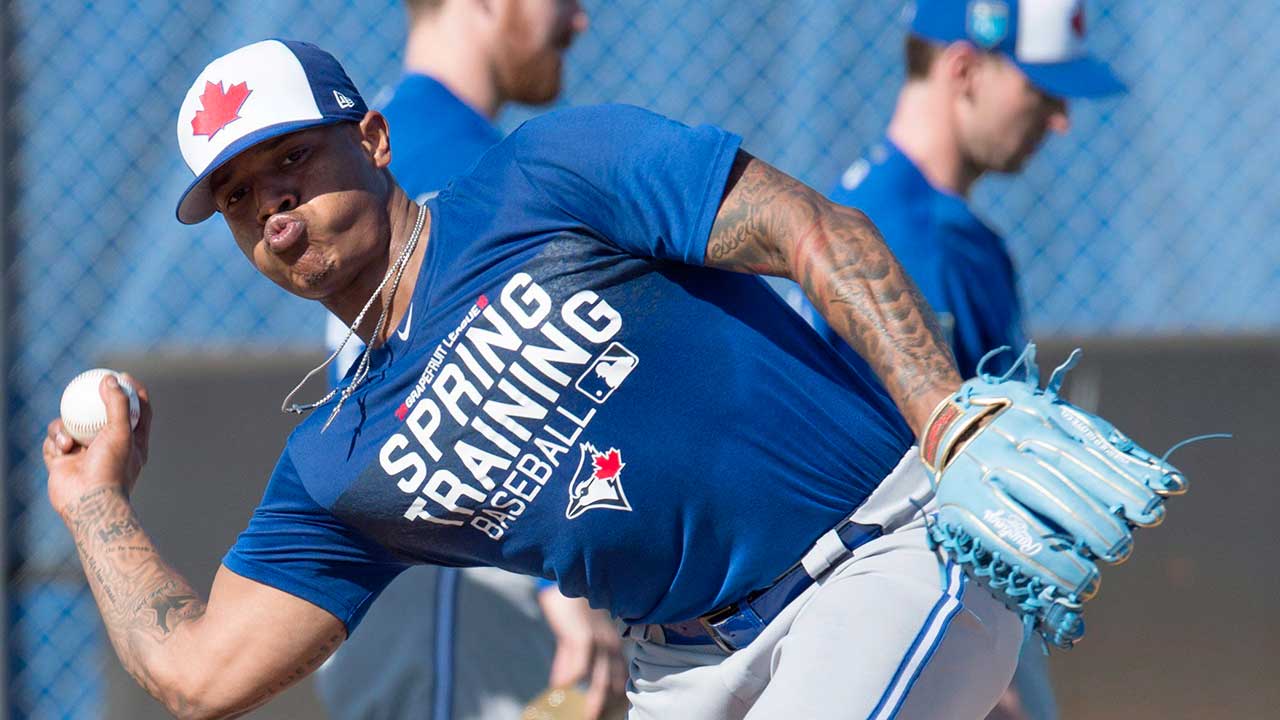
(890, 631)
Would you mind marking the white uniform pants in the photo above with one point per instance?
(891, 631)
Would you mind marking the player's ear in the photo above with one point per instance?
(375, 138)
(959, 63)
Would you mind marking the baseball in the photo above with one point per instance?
(84, 413)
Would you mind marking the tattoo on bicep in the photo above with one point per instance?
(753, 214)
(771, 223)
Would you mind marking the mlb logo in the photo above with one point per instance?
(608, 371)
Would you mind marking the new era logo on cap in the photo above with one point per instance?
(1043, 37)
(252, 94)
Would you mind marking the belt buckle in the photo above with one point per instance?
(711, 619)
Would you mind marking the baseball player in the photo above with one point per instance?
(986, 82)
(463, 62)
(596, 389)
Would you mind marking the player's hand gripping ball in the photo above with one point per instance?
(1033, 491)
(83, 412)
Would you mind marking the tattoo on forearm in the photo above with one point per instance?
(770, 223)
(142, 599)
(118, 529)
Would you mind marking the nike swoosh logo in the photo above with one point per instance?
(403, 334)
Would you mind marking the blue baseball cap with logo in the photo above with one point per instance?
(1045, 38)
(253, 94)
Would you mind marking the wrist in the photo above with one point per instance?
(952, 424)
(932, 437)
(87, 499)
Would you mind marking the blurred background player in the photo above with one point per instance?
(467, 643)
(986, 82)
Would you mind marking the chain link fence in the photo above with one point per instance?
(1155, 216)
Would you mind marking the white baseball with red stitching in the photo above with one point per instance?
(84, 413)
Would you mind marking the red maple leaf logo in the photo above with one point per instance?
(220, 107)
(1077, 21)
(607, 464)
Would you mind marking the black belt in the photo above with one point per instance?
(735, 625)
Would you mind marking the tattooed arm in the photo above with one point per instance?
(771, 224)
(214, 659)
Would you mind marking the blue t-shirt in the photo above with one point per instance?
(574, 396)
(435, 137)
(960, 265)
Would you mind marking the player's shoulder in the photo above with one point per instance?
(591, 117)
(590, 130)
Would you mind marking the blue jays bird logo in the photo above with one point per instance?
(601, 484)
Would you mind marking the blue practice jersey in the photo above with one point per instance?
(435, 137)
(572, 395)
(960, 265)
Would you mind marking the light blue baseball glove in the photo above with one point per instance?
(1033, 491)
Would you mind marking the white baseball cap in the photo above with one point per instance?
(1045, 38)
(252, 94)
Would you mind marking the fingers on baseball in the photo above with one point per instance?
(49, 449)
(57, 441)
(117, 404)
(142, 433)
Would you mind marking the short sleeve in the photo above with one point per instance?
(295, 545)
(648, 184)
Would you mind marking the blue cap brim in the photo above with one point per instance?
(1084, 77)
(196, 202)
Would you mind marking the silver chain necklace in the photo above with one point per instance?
(394, 274)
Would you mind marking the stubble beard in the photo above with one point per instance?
(537, 81)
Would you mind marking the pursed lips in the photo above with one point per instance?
(283, 233)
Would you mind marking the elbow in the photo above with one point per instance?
(192, 707)
(833, 236)
(186, 712)
(189, 695)
(187, 705)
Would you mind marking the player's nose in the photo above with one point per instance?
(274, 198)
(1060, 118)
(578, 19)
